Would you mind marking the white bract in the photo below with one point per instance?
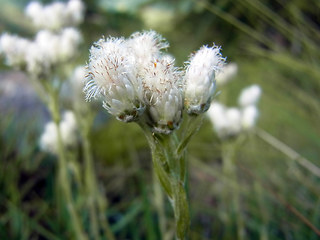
(200, 79)
(250, 96)
(68, 130)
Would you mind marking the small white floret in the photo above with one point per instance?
(250, 96)
(200, 78)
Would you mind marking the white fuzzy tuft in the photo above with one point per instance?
(200, 78)
(112, 75)
(68, 129)
(250, 96)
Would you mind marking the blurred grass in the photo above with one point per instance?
(276, 46)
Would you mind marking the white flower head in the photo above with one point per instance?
(56, 15)
(112, 75)
(70, 39)
(68, 129)
(250, 115)
(227, 73)
(200, 78)
(217, 116)
(163, 95)
(49, 49)
(14, 49)
(250, 96)
(146, 46)
(75, 10)
(226, 121)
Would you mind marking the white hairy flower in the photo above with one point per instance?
(14, 49)
(250, 115)
(200, 78)
(163, 94)
(216, 114)
(75, 10)
(250, 96)
(226, 74)
(226, 121)
(55, 16)
(68, 129)
(49, 49)
(112, 75)
(146, 46)
(70, 39)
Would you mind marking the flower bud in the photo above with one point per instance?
(112, 75)
(163, 94)
(250, 96)
(200, 79)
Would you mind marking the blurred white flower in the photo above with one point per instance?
(75, 9)
(250, 96)
(55, 16)
(233, 118)
(49, 49)
(226, 121)
(69, 41)
(200, 78)
(229, 122)
(226, 74)
(250, 115)
(68, 129)
(14, 49)
(163, 94)
(112, 75)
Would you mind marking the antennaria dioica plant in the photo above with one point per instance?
(139, 83)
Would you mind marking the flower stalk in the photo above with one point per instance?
(169, 167)
(62, 171)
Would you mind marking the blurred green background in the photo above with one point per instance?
(275, 44)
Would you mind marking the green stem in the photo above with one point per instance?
(160, 206)
(91, 185)
(62, 172)
(228, 154)
(167, 166)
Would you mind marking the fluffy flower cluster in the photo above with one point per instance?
(137, 80)
(55, 16)
(68, 129)
(229, 122)
(47, 49)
